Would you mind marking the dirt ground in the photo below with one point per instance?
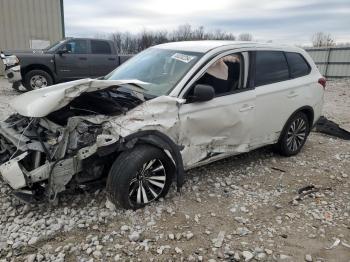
(238, 209)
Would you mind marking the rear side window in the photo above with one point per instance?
(100, 47)
(270, 67)
(297, 64)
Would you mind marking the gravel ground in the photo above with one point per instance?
(238, 209)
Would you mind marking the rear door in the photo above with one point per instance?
(74, 64)
(278, 96)
(102, 59)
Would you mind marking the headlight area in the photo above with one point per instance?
(47, 159)
(27, 148)
(10, 60)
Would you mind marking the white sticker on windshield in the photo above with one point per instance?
(182, 57)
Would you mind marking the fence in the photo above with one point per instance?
(333, 62)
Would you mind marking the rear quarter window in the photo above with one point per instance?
(270, 67)
(297, 65)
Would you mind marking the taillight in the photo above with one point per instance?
(322, 81)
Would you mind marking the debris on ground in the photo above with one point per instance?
(328, 127)
(336, 243)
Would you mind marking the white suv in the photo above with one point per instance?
(168, 109)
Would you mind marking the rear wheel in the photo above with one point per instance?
(294, 135)
(36, 79)
(139, 177)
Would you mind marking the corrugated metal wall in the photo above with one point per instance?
(333, 62)
(24, 20)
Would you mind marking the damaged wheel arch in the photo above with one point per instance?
(153, 138)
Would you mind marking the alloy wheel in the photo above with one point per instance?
(296, 134)
(148, 184)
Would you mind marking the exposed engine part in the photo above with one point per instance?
(83, 135)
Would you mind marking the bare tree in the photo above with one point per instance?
(322, 39)
(118, 41)
(183, 33)
(198, 34)
(245, 37)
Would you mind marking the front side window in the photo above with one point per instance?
(77, 47)
(270, 67)
(297, 64)
(100, 47)
(160, 69)
(54, 46)
(224, 75)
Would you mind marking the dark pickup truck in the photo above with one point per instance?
(66, 60)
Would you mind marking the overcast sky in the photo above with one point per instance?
(291, 21)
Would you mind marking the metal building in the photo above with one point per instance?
(333, 62)
(30, 24)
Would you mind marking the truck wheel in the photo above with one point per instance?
(294, 135)
(36, 79)
(139, 176)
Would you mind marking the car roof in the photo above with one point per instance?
(204, 46)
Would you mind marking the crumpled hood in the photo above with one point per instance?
(41, 102)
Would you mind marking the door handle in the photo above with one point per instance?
(246, 108)
(111, 59)
(292, 94)
(82, 58)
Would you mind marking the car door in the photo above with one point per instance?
(73, 63)
(102, 58)
(219, 127)
(276, 96)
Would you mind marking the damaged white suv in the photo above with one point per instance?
(170, 108)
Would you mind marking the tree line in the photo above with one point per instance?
(130, 43)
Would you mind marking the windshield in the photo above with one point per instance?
(161, 69)
(54, 46)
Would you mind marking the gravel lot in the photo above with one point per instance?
(238, 209)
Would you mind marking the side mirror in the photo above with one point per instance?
(202, 93)
(62, 51)
(66, 49)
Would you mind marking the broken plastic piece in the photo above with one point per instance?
(336, 243)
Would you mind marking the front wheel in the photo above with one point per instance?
(36, 79)
(294, 135)
(139, 176)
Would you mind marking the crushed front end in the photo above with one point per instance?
(42, 156)
(68, 135)
(39, 157)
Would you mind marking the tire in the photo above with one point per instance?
(36, 79)
(126, 176)
(291, 142)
